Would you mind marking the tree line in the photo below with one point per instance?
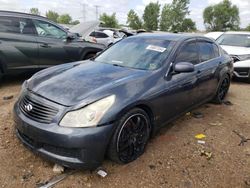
(54, 16)
(172, 17)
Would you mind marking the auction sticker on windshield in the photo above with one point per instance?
(156, 48)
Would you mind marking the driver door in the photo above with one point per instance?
(182, 87)
(52, 47)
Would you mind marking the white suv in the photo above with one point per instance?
(237, 44)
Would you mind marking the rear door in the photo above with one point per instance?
(18, 45)
(53, 47)
(210, 60)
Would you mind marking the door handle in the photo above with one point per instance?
(45, 45)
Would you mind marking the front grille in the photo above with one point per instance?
(37, 111)
(242, 71)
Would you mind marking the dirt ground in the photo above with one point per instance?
(172, 159)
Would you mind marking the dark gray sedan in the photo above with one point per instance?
(75, 114)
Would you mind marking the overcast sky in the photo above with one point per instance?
(121, 7)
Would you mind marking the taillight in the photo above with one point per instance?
(93, 39)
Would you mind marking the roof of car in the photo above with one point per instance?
(238, 32)
(171, 36)
(20, 14)
(29, 16)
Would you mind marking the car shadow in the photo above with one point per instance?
(15, 79)
(240, 81)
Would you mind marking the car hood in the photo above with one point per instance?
(73, 83)
(236, 50)
(85, 28)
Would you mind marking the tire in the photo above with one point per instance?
(130, 137)
(1, 74)
(88, 56)
(222, 90)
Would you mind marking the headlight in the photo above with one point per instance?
(88, 116)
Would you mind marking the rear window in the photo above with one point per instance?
(242, 40)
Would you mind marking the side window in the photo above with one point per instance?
(206, 51)
(101, 35)
(188, 53)
(46, 29)
(92, 34)
(16, 25)
(216, 50)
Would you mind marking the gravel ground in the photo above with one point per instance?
(172, 159)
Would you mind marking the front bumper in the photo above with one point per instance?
(242, 72)
(76, 148)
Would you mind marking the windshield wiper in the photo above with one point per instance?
(118, 65)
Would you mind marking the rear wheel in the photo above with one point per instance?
(222, 89)
(130, 137)
(1, 74)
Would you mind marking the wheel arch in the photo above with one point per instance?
(144, 107)
(88, 51)
(3, 65)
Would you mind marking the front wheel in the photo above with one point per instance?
(88, 56)
(130, 137)
(222, 89)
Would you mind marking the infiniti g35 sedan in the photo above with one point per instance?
(75, 114)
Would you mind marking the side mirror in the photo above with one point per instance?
(71, 36)
(183, 67)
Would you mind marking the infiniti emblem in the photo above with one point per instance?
(28, 107)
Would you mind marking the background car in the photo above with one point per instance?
(105, 37)
(213, 35)
(96, 34)
(237, 44)
(31, 42)
(114, 102)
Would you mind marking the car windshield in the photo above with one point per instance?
(139, 53)
(242, 40)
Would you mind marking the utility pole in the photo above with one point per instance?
(97, 11)
(84, 11)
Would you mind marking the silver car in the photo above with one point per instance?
(237, 44)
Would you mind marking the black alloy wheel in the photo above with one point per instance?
(131, 137)
(222, 90)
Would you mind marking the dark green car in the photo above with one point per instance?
(30, 42)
